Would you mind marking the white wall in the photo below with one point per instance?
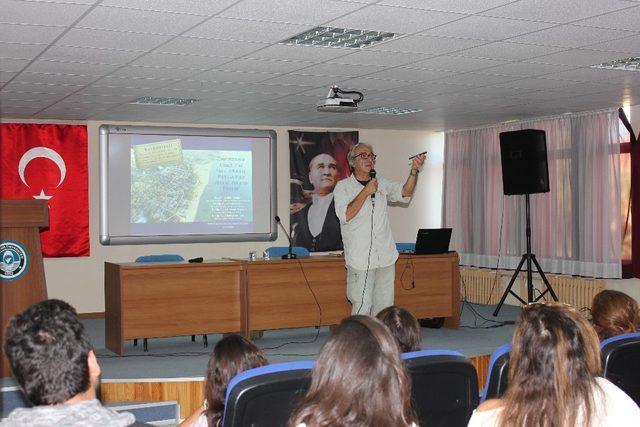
(81, 280)
(393, 149)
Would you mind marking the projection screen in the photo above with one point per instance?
(184, 185)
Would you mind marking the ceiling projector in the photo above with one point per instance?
(336, 103)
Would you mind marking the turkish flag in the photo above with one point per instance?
(44, 161)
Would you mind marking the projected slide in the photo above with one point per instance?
(172, 184)
(186, 185)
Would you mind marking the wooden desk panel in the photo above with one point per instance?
(428, 286)
(171, 299)
(278, 295)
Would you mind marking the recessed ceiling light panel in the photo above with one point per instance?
(340, 38)
(625, 64)
(159, 100)
(394, 111)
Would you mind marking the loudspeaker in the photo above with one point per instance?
(524, 162)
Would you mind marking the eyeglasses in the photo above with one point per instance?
(366, 155)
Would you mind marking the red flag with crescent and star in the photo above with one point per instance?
(49, 161)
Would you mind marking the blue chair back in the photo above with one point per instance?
(406, 247)
(444, 387)
(621, 363)
(160, 258)
(498, 373)
(278, 251)
(266, 396)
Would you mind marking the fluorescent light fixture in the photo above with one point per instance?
(625, 64)
(340, 37)
(159, 100)
(394, 111)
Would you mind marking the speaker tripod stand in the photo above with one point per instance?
(528, 258)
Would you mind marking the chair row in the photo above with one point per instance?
(444, 390)
(620, 361)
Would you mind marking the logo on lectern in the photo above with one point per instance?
(13, 260)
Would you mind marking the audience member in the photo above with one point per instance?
(553, 376)
(614, 313)
(358, 380)
(231, 356)
(54, 364)
(403, 326)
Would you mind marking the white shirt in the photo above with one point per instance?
(356, 233)
(613, 408)
(318, 212)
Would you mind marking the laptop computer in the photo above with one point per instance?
(432, 241)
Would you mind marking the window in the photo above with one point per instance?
(625, 196)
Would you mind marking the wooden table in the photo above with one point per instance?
(280, 293)
(429, 286)
(218, 296)
(153, 300)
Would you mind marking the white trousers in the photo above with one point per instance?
(370, 291)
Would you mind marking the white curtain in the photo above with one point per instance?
(575, 228)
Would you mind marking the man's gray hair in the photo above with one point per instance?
(352, 152)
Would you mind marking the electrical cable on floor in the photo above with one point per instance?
(315, 338)
(495, 279)
(493, 285)
(498, 323)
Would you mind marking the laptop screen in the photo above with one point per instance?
(433, 241)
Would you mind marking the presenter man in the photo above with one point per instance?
(369, 249)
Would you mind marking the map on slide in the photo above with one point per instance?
(170, 184)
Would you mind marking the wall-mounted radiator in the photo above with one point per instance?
(480, 286)
(484, 286)
(576, 291)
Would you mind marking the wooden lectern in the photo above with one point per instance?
(20, 223)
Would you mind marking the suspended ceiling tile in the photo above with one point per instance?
(143, 21)
(246, 30)
(311, 12)
(394, 19)
(556, 11)
(110, 39)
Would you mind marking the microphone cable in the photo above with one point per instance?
(407, 265)
(366, 274)
(317, 334)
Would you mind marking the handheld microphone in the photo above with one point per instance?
(372, 175)
(289, 255)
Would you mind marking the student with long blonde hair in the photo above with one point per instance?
(358, 380)
(554, 377)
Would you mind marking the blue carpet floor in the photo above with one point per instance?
(178, 357)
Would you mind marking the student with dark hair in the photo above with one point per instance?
(231, 356)
(614, 313)
(554, 376)
(56, 368)
(358, 380)
(403, 326)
